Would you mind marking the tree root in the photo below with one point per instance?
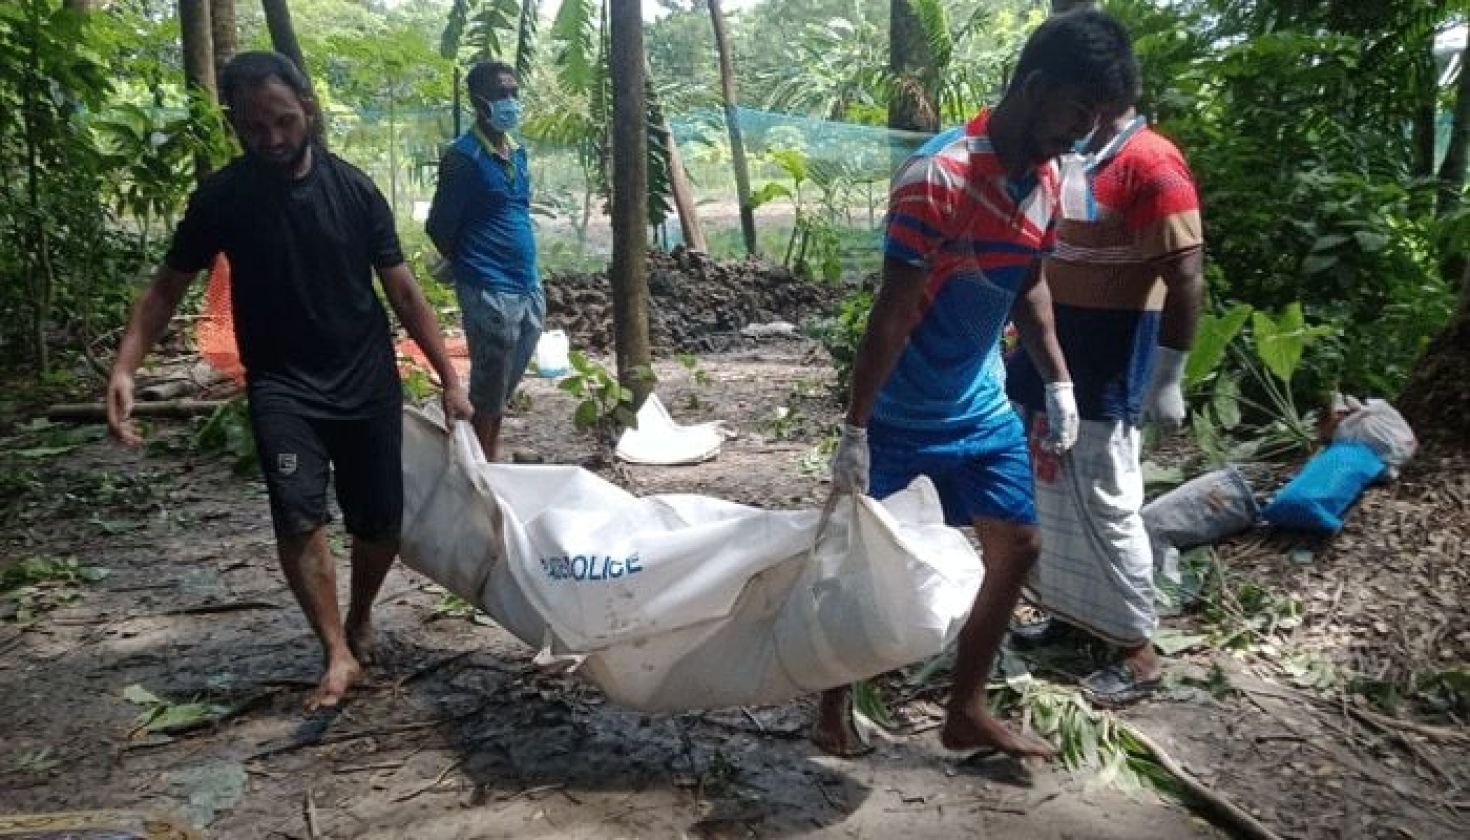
(1230, 815)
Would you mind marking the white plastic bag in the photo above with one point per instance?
(659, 440)
(1379, 426)
(680, 602)
(553, 352)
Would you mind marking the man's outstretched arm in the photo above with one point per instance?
(149, 319)
(414, 312)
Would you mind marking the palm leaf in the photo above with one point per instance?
(933, 17)
(526, 38)
(660, 176)
(454, 27)
(575, 31)
(494, 18)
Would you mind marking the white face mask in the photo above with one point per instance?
(1079, 204)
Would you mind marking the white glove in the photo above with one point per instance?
(850, 461)
(1164, 404)
(1061, 418)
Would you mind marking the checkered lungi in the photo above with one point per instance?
(1096, 566)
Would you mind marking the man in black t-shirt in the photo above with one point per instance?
(304, 232)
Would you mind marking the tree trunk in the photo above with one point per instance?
(1436, 399)
(732, 124)
(689, 223)
(1426, 94)
(79, 5)
(1452, 170)
(909, 108)
(197, 43)
(629, 271)
(283, 41)
(38, 261)
(679, 184)
(226, 36)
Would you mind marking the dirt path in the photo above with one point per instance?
(460, 736)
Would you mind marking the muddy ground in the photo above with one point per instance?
(458, 735)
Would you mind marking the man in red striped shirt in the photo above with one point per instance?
(1126, 280)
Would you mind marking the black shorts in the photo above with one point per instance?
(298, 454)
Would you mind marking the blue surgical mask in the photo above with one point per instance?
(504, 115)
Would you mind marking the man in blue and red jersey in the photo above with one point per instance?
(1126, 282)
(970, 217)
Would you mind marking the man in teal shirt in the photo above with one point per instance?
(480, 220)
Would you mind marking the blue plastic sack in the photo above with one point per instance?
(1325, 488)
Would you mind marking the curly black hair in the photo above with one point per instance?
(249, 70)
(1086, 49)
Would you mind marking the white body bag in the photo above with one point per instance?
(680, 602)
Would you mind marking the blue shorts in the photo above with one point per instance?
(502, 329)
(982, 472)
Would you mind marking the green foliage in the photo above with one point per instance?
(418, 388)
(604, 405)
(1213, 336)
(841, 68)
(784, 423)
(50, 172)
(690, 362)
(37, 585)
(1246, 392)
(91, 165)
(815, 247)
(228, 431)
(1445, 691)
(166, 717)
(34, 571)
(1243, 614)
(1294, 118)
(579, 50)
(867, 700)
(453, 606)
(838, 72)
(485, 27)
(842, 335)
(1281, 342)
(817, 460)
(38, 760)
(1086, 739)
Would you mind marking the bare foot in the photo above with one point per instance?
(976, 729)
(340, 676)
(362, 641)
(834, 731)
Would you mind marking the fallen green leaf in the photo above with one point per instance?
(1172, 642)
(138, 694)
(36, 452)
(185, 716)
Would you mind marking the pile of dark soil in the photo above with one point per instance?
(696, 304)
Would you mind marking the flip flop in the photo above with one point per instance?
(1117, 686)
